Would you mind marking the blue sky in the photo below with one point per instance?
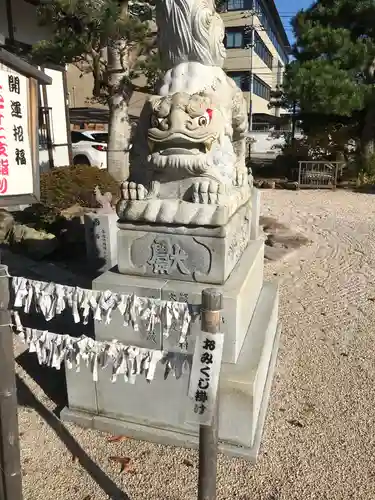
(287, 8)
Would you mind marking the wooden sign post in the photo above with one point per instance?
(19, 184)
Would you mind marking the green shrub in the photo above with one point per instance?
(63, 187)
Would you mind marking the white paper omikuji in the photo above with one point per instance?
(53, 350)
(204, 378)
(143, 314)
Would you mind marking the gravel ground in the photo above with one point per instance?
(318, 441)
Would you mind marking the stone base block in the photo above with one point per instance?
(160, 411)
(255, 214)
(240, 293)
(175, 201)
(202, 254)
(101, 239)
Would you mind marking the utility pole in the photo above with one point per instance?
(252, 45)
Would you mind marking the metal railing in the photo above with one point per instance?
(319, 174)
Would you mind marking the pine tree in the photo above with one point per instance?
(115, 41)
(332, 76)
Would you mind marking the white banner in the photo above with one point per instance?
(16, 169)
(204, 378)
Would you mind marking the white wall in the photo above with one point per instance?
(56, 100)
(266, 145)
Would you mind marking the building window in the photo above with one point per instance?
(262, 51)
(262, 14)
(235, 4)
(264, 19)
(18, 48)
(261, 89)
(241, 78)
(234, 38)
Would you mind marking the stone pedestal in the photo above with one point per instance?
(161, 411)
(101, 239)
(240, 296)
(189, 253)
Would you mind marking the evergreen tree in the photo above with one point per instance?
(114, 40)
(332, 77)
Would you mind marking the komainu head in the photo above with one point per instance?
(188, 132)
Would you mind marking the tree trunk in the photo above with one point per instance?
(119, 126)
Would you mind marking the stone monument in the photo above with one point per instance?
(185, 223)
(101, 232)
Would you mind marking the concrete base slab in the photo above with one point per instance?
(159, 411)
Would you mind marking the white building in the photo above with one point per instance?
(19, 30)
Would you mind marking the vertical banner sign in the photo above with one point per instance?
(16, 167)
(204, 378)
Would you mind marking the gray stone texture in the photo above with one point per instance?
(188, 253)
(160, 411)
(81, 389)
(255, 214)
(240, 295)
(232, 259)
(101, 239)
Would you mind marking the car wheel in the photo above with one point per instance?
(81, 160)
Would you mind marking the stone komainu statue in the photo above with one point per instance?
(188, 157)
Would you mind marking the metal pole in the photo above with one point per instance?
(10, 466)
(252, 43)
(212, 302)
(294, 121)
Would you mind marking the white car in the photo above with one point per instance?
(89, 148)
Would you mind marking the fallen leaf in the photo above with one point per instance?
(123, 461)
(116, 439)
(87, 497)
(295, 423)
(188, 463)
(372, 299)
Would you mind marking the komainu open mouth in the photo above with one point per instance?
(179, 146)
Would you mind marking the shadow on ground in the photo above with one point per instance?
(280, 240)
(51, 381)
(366, 189)
(27, 398)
